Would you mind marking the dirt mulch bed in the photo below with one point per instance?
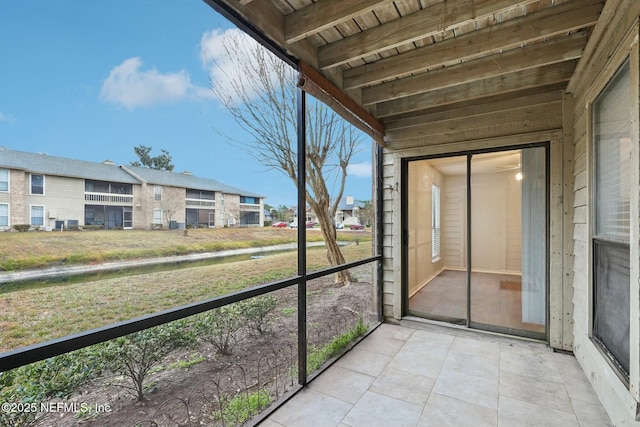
(267, 362)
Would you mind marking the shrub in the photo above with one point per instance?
(220, 327)
(22, 228)
(256, 311)
(58, 376)
(134, 355)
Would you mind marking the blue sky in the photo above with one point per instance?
(92, 79)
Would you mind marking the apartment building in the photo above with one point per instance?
(50, 192)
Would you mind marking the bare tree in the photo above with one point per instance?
(259, 91)
(172, 203)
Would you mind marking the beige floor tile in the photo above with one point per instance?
(417, 363)
(376, 410)
(513, 412)
(456, 377)
(310, 407)
(472, 389)
(538, 391)
(590, 414)
(483, 348)
(392, 331)
(382, 344)
(423, 342)
(444, 411)
(527, 362)
(363, 361)
(575, 380)
(343, 384)
(270, 423)
(408, 386)
(470, 364)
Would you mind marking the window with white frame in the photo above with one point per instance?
(4, 215)
(611, 223)
(37, 184)
(37, 216)
(157, 216)
(435, 222)
(4, 180)
(157, 193)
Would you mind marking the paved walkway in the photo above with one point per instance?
(399, 376)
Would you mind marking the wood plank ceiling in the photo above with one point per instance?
(405, 58)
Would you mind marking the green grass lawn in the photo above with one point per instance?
(38, 313)
(32, 250)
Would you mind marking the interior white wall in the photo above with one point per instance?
(496, 225)
(421, 265)
(453, 221)
(496, 231)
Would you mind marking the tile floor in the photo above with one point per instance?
(496, 299)
(439, 376)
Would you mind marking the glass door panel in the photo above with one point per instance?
(127, 218)
(436, 232)
(508, 241)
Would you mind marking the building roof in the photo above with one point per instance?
(186, 180)
(107, 171)
(61, 166)
(345, 206)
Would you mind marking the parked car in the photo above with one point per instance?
(310, 224)
(356, 227)
(279, 224)
(339, 226)
(293, 225)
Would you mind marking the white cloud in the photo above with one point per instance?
(7, 118)
(132, 87)
(224, 70)
(361, 170)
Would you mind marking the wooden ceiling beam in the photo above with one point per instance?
(418, 116)
(417, 122)
(534, 77)
(325, 14)
(534, 117)
(511, 61)
(421, 24)
(549, 22)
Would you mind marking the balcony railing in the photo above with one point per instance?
(269, 355)
(249, 207)
(109, 198)
(200, 202)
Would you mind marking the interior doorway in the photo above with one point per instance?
(475, 248)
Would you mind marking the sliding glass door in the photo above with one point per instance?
(476, 240)
(436, 205)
